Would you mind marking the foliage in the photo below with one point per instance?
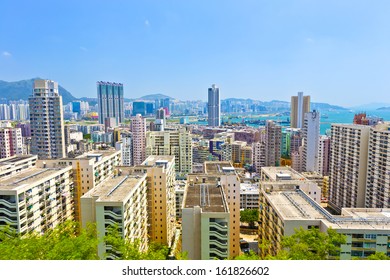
(311, 245)
(86, 136)
(248, 256)
(65, 242)
(127, 250)
(249, 216)
(378, 256)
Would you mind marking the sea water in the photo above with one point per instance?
(327, 117)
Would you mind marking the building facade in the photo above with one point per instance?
(121, 200)
(214, 106)
(273, 139)
(311, 134)
(348, 165)
(138, 128)
(46, 119)
(172, 143)
(299, 106)
(110, 101)
(11, 142)
(36, 199)
(89, 170)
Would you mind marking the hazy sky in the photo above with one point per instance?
(336, 51)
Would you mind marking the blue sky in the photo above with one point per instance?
(336, 51)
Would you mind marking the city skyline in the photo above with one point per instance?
(334, 52)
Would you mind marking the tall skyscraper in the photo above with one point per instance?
(46, 118)
(348, 165)
(311, 134)
(110, 101)
(138, 127)
(214, 108)
(299, 106)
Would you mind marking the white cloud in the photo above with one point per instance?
(147, 23)
(84, 49)
(310, 40)
(5, 53)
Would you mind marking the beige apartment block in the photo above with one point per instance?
(284, 208)
(160, 171)
(226, 176)
(172, 143)
(15, 164)
(284, 175)
(120, 200)
(36, 199)
(206, 219)
(300, 105)
(90, 169)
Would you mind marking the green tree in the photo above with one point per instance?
(311, 245)
(378, 256)
(126, 250)
(65, 242)
(248, 256)
(249, 216)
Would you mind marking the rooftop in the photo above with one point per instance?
(158, 160)
(218, 167)
(15, 159)
(208, 196)
(30, 176)
(281, 173)
(294, 204)
(96, 153)
(115, 189)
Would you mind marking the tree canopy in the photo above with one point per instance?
(311, 244)
(249, 216)
(69, 242)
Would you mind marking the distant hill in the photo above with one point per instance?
(371, 106)
(23, 89)
(155, 96)
(325, 106)
(384, 109)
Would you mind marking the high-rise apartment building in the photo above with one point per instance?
(226, 177)
(46, 119)
(172, 143)
(311, 134)
(120, 200)
(110, 101)
(138, 128)
(126, 146)
(348, 165)
(160, 172)
(214, 107)
(89, 170)
(378, 169)
(273, 139)
(11, 142)
(35, 199)
(323, 155)
(211, 213)
(299, 106)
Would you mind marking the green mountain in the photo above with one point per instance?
(23, 89)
